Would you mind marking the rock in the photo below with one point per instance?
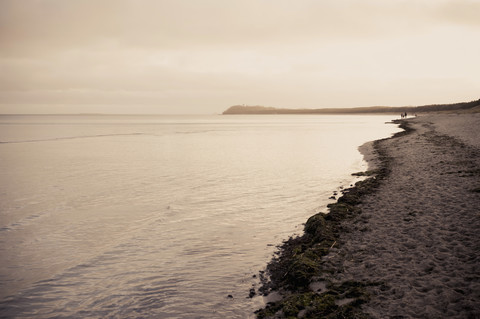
(315, 224)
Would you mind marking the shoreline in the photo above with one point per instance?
(389, 246)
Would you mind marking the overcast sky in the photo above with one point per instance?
(202, 56)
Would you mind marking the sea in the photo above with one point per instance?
(161, 216)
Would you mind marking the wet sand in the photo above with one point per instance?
(418, 235)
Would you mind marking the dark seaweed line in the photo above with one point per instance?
(298, 260)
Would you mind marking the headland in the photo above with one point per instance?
(473, 106)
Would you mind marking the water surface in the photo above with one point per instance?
(160, 216)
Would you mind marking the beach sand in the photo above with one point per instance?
(403, 243)
(418, 234)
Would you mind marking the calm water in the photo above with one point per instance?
(160, 216)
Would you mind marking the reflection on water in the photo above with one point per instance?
(159, 216)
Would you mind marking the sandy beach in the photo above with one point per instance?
(419, 233)
(414, 242)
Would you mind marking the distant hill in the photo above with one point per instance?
(474, 106)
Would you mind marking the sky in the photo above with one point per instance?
(202, 56)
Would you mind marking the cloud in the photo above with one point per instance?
(215, 53)
(51, 25)
(462, 12)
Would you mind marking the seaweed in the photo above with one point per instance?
(325, 305)
(366, 173)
